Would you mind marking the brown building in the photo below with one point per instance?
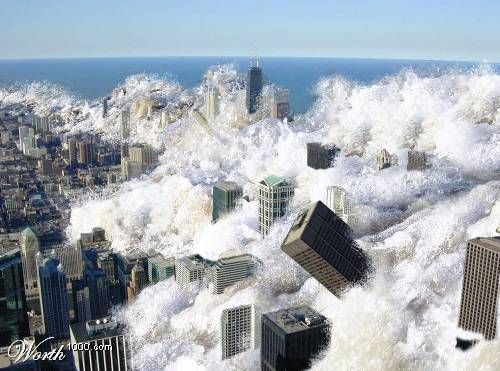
(478, 306)
(72, 152)
(86, 153)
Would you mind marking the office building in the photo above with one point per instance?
(238, 330)
(290, 338)
(13, 309)
(143, 154)
(86, 153)
(479, 302)
(40, 124)
(101, 345)
(105, 107)
(138, 280)
(224, 199)
(45, 167)
(160, 268)
(320, 156)
(190, 268)
(81, 301)
(385, 159)
(99, 293)
(227, 271)
(30, 247)
(338, 201)
(26, 135)
(106, 262)
(53, 298)
(72, 152)
(254, 87)
(125, 124)
(416, 161)
(275, 195)
(280, 108)
(212, 103)
(320, 242)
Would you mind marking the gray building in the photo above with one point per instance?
(229, 270)
(81, 301)
(160, 268)
(212, 103)
(385, 159)
(238, 330)
(320, 242)
(125, 124)
(275, 195)
(416, 160)
(338, 201)
(100, 345)
(224, 199)
(254, 87)
(291, 337)
(321, 156)
(191, 268)
(280, 107)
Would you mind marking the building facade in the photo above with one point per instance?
(338, 201)
(228, 271)
(416, 161)
(225, 197)
(238, 330)
(254, 88)
(189, 269)
(212, 103)
(125, 124)
(160, 269)
(385, 159)
(275, 195)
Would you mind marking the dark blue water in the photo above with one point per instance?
(94, 78)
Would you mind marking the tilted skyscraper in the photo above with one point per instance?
(238, 330)
(320, 156)
(319, 241)
(291, 337)
(275, 195)
(224, 199)
(479, 302)
(254, 87)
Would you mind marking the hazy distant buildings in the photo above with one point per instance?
(72, 152)
(225, 197)
(229, 270)
(320, 156)
(125, 124)
(160, 268)
(238, 330)
(212, 103)
(416, 160)
(291, 338)
(319, 241)
(86, 153)
(338, 201)
(141, 158)
(105, 107)
(254, 87)
(40, 124)
(100, 344)
(385, 159)
(190, 268)
(275, 194)
(479, 302)
(280, 107)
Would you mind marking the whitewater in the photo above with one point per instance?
(414, 225)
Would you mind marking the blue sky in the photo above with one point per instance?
(425, 29)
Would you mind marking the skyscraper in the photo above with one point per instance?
(479, 302)
(227, 271)
(138, 280)
(416, 160)
(53, 298)
(160, 269)
(72, 152)
(275, 194)
(86, 153)
(224, 199)
(81, 301)
(238, 330)
(143, 154)
(105, 107)
(125, 124)
(99, 294)
(190, 268)
(30, 247)
(338, 201)
(254, 87)
(212, 103)
(321, 156)
(291, 337)
(319, 241)
(280, 106)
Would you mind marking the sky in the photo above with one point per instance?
(425, 29)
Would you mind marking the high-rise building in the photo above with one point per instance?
(53, 298)
(106, 262)
(416, 160)
(14, 323)
(275, 194)
(26, 135)
(321, 156)
(81, 301)
(224, 199)
(238, 330)
(280, 108)
(338, 201)
(99, 294)
(320, 242)
(125, 124)
(143, 154)
(160, 269)
(100, 344)
(385, 159)
(190, 268)
(45, 167)
(212, 103)
(131, 169)
(30, 247)
(40, 124)
(227, 271)
(105, 107)
(290, 338)
(254, 87)
(86, 153)
(138, 280)
(479, 303)
(72, 152)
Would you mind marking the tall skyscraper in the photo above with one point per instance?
(291, 337)
(479, 303)
(319, 241)
(160, 269)
(81, 301)
(138, 281)
(26, 135)
(53, 298)
(416, 160)
(72, 152)
(338, 201)
(86, 153)
(254, 87)
(224, 199)
(30, 247)
(190, 268)
(40, 124)
(227, 271)
(99, 294)
(238, 330)
(321, 156)
(100, 344)
(280, 106)
(125, 124)
(13, 309)
(212, 103)
(105, 107)
(275, 194)
(143, 154)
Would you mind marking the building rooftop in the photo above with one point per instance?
(226, 185)
(297, 319)
(273, 180)
(491, 243)
(195, 262)
(95, 329)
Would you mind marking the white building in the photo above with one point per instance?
(228, 271)
(338, 201)
(238, 330)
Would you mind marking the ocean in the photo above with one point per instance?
(96, 77)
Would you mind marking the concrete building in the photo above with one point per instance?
(479, 302)
(160, 269)
(131, 169)
(280, 107)
(72, 152)
(86, 153)
(143, 154)
(254, 87)
(212, 103)
(238, 330)
(275, 195)
(41, 124)
(53, 298)
(225, 197)
(338, 201)
(81, 301)
(385, 159)
(100, 345)
(416, 161)
(319, 241)
(45, 167)
(138, 280)
(291, 338)
(30, 247)
(125, 124)
(25, 132)
(99, 292)
(105, 107)
(320, 156)
(190, 268)
(230, 270)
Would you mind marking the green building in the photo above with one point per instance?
(160, 268)
(225, 197)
